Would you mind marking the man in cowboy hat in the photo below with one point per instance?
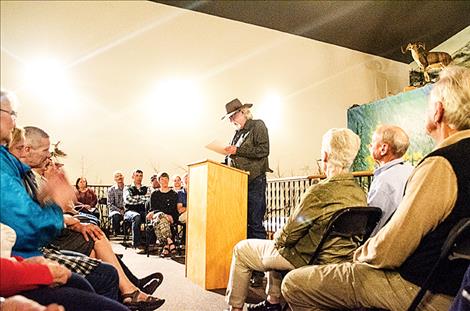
(249, 151)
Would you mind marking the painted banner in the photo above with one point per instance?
(406, 110)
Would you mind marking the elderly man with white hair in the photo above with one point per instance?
(390, 267)
(389, 144)
(297, 240)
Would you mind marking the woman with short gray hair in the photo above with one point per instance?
(296, 242)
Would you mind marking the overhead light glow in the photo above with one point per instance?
(42, 74)
(49, 83)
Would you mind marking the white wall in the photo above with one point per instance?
(116, 54)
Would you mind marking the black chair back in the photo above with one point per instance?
(355, 222)
(456, 246)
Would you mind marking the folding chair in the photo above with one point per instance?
(150, 237)
(352, 222)
(456, 246)
(105, 224)
(179, 234)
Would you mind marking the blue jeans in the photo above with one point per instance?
(105, 281)
(256, 208)
(76, 295)
(136, 219)
(462, 303)
(104, 278)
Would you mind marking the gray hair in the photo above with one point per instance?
(247, 112)
(453, 90)
(342, 146)
(32, 134)
(8, 97)
(395, 137)
(117, 172)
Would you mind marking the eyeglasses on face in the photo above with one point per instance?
(233, 115)
(12, 113)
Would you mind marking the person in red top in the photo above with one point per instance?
(87, 197)
(18, 274)
(45, 281)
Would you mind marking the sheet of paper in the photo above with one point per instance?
(217, 146)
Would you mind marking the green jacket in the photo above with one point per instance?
(297, 240)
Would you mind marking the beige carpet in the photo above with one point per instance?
(179, 292)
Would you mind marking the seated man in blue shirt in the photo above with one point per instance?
(389, 143)
(181, 203)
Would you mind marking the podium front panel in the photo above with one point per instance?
(217, 220)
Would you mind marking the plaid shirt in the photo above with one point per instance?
(80, 264)
(136, 196)
(116, 199)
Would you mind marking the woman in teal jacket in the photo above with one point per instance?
(35, 225)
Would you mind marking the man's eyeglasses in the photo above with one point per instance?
(12, 113)
(233, 115)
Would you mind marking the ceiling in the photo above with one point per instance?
(374, 27)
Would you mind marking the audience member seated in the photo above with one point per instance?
(86, 198)
(390, 267)
(295, 243)
(177, 185)
(46, 281)
(18, 207)
(182, 201)
(389, 144)
(163, 214)
(16, 145)
(116, 202)
(135, 197)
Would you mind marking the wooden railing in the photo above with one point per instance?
(282, 195)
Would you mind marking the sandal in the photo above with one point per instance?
(132, 301)
(173, 251)
(165, 251)
(150, 283)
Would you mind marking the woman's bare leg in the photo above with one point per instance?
(104, 251)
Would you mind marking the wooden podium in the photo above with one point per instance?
(217, 216)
